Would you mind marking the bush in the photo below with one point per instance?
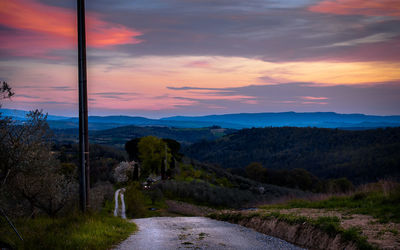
(100, 194)
(205, 194)
(155, 195)
(134, 201)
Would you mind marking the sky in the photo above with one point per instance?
(197, 57)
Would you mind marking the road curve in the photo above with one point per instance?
(197, 233)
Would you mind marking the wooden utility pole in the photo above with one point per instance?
(84, 180)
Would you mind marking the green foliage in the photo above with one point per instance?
(32, 179)
(117, 137)
(385, 207)
(131, 147)
(341, 185)
(152, 152)
(77, 231)
(155, 194)
(295, 178)
(135, 201)
(102, 159)
(202, 193)
(328, 224)
(255, 171)
(361, 156)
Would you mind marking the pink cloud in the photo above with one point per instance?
(314, 98)
(313, 103)
(198, 64)
(42, 28)
(381, 51)
(358, 7)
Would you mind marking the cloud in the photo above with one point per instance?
(376, 38)
(198, 64)
(314, 98)
(35, 29)
(358, 7)
(382, 98)
(250, 29)
(116, 96)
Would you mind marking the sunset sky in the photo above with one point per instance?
(194, 57)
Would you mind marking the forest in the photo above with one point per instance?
(361, 156)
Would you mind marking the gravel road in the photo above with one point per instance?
(197, 233)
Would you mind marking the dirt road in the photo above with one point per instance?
(197, 233)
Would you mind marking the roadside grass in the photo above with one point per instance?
(327, 224)
(374, 200)
(76, 231)
(139, 203)
(160, 207)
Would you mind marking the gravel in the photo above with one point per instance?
(198, 233)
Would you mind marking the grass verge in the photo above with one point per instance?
(92, 231)
(385, 207)
(327, 224)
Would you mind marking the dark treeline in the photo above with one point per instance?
(119, 136)
(361, 156)
(102, 159)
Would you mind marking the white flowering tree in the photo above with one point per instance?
(124, 171)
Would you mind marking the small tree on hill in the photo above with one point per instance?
(152, 153)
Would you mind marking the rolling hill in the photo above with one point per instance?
(361, 156)
(235, 121)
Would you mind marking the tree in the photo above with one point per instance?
(131, 148)
(5, 91)
(28, 170)
(123, 171)
(174, 146)
(152, 153)
(255, 171)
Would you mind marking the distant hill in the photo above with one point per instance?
(119, 136)
(235, 121)
(313, 119)
(20, 115)
(365, 155)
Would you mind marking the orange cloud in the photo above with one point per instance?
(358, 7)
(42, 27)
(198, 64)
(314, 98)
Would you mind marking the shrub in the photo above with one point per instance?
(134, 201)
(203, 193)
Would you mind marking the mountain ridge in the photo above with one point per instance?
(235, 121)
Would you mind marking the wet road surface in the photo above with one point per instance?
(197, 233)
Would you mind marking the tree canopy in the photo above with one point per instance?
(152, 153)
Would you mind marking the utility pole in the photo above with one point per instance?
(84, 180)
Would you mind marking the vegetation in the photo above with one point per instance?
(380, 200)
(102, 159)
(360, 156)
(143, 203)
(202, 193)
(154, 156)
(328, 224)
(75, 231)
(297, 178)
(117, 137)
(39, 189)
(31, 177)
(209, 185)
